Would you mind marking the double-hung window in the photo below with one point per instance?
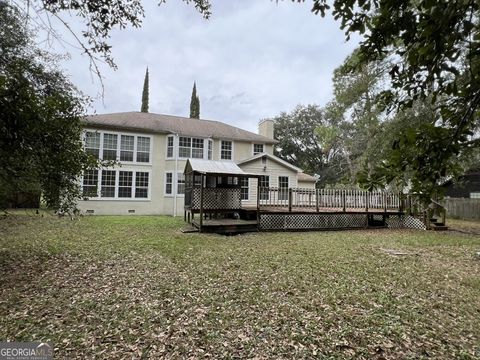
(125, 183)
(244, 188)
(92, 143)
(141, 184)
(143, 149)
(210, 149)
(180, 183)
(168, 183)
(127, 147)
(110, 146)
(226, 150)
(108, 183)
(170, 146)
(197, 148)
(90, 183)
(283, 188)
(257, 149)
(184, 147)
(264, 185)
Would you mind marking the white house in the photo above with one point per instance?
(152, 150)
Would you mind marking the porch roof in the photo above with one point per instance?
(214, 167)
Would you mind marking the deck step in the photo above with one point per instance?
(436, 227)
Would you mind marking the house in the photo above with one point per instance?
(152, 151)
(467, 186)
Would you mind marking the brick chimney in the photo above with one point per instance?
(265, 128)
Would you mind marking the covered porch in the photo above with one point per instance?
(213, 197)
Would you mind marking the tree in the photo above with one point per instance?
(308, 139)
(40, 120)
(145, 94)
(435, 51)
(195, 103)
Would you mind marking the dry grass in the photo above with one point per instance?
(133, 287)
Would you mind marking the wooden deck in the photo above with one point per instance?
(226, 226)
(310, 209)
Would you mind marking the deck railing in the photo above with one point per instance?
(318, 199)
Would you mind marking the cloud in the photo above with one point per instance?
(251, 60)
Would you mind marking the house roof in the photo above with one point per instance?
(306, 178)
(168, 124)
(213, 167)
(273, 158)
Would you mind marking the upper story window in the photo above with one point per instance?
(115, 146)
(143, 149)
(210, 149)
(226, 150)
(92, 143)
(127, 147)
(190, 147)
(258, 149)
(170, 146)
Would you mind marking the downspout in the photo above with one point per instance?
(175, 178)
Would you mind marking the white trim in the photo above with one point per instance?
(220, 150)
(253, 148)
(117, 179)
(172, 194)
(248, 190)
(174, 156)
(272, 157)
(119, 137)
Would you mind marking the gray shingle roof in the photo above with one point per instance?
(158, 123)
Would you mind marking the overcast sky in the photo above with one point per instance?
(252, 59)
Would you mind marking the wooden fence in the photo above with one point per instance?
(463, 208)
(328, 198)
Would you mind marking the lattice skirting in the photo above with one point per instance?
(314, 221)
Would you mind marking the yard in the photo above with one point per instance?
(133, 287)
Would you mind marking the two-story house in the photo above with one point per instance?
(152, 150)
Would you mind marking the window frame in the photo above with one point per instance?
(165, 183)
(267, 197)
(168, 146)
(257, 144)
(243, 187)
(118, 150)
(117, 171)
(283, 190)
(231, 150)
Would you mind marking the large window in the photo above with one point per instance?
(244, 188)
(127, 147)
(90, 183)
(116, 184)
(283, 188)
(141, 185)
(257, 149)
(264, 185)
(190, 147)
(114, 146)
(125, 183)
(92, 143)
(108, 184)
(143, 149)
(226, 150)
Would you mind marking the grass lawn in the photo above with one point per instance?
(133, 287)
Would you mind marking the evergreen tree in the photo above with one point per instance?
(145, 94)
(195, 103)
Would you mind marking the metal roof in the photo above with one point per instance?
(213, 167)
(271, 157)
(168, 124)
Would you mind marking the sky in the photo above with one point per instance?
(251, 60)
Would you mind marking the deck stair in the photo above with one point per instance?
(437, 225)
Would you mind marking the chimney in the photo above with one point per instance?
(265, 128)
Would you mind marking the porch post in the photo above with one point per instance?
(290, 192)
(344, 200)
(201, 200)
(258, 202)
(316, 200)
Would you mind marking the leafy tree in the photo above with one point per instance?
(145, 94)
(308, 139)
(40, 120)
(435, 51)
(195, 103)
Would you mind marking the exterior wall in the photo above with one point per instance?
(273, 169)
(306, 184)
(159, 203)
